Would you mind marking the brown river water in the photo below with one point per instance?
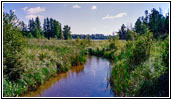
(87, 80)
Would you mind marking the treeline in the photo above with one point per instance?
(51, 29)
(154, 21)
(92, 36)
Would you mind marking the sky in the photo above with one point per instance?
(86, 18)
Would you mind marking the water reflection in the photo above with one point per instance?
(88, 80)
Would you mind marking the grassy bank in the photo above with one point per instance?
(43, 58)
(139, 67)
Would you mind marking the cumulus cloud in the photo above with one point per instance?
(76, 6)
(33, 16)
(93, 7)
(119, 15)
(33, 12)
(14, 10)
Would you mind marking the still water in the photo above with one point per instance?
(88, 80)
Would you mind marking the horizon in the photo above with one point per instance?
(86, 18)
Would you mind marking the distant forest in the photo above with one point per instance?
(52, 29)
(92, 36)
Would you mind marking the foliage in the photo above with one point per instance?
(12, 46)
(34, 27)
(122, 32)
(92, 36)
(29, 35)
(42, 59)
(67, 32)
(165, 55)
(155, 22)
(141, 52)
(130, 35)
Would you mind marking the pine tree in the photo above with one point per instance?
(38, 24)
(47, 29)
(23, 28)
(56, 29)
(67, 32)
(122, 32)
(60, 32)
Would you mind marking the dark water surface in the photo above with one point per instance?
(88, 80)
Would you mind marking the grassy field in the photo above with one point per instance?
(43, 58)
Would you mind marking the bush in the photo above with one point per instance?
(130, 35)
(115, 44)
(141, 51)
(165, 55)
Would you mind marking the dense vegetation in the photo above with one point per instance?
(141, 62)
(32, 54)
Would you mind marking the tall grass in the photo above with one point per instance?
(42, 59)
(140, 66)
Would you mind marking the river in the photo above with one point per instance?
(87, 80)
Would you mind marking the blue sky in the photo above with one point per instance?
(86, 18)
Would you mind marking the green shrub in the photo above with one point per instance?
(130, 35)
(12, 46)
(165, 55)
(141, 51)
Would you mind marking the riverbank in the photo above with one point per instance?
(90, 79)
(139, 69)
(42, 59)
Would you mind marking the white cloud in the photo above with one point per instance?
(34, 16)
(33, 12)
(14, 10)
(25, 8)
(119, 15)
(93, 7)
(76, 6)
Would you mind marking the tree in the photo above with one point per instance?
(60, 32)
(31, 26)
(36, 33)
(166, 26)
(52, 28)
(23, 28)
(140, 26)
(12, 46)
(47, 28)
(146, 19)
(56, 29)
(29, 35)
(156, 23)
(66, 32)
(122, 32)
(38, 24)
